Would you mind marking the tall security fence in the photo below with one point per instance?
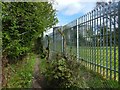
(94, 39)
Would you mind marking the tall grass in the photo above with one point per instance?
(20, 74)
(104, 56)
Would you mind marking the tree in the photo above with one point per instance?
(23, 23)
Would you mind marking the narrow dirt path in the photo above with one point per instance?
(36, 76)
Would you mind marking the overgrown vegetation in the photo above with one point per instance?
(20, 75)
(23, 24)
(92, 79)
(60, 72)
(67, 72)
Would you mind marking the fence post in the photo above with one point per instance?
(119, 41)
(53, 40)
(62, 41)
(77, 41)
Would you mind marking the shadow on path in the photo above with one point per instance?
(36, 77)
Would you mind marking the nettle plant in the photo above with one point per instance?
(62, 72)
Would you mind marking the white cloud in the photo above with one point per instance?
(71, 7)
(62, 4)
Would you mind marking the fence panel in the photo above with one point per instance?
(93, 38)
(98, 37)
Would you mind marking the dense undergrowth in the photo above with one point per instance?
(20, 75)
(67, 72)
(60, 72)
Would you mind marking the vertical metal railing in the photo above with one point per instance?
(92, 43)
(110, 44)
(62, 42)
(101, 45)
(103, 34)
(106, 34)
(119, 41)
(77, 41)
(114, 27)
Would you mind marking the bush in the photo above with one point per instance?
(61, 72)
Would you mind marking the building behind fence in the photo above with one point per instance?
(94, 39)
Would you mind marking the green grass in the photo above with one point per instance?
(43, 65)
(98, 55)
(95, 80)
(21, 73)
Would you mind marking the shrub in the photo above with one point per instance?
(61, 72)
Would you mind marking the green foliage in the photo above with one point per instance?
(38, 47)
(60, 72)
(23, 23)
(21, 73)
(66, 72)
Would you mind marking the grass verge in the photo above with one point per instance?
(94, 80)
(20, 75)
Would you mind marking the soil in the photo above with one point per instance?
(36, 77)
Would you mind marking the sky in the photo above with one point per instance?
(69, 10)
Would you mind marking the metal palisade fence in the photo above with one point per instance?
(94, 39)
